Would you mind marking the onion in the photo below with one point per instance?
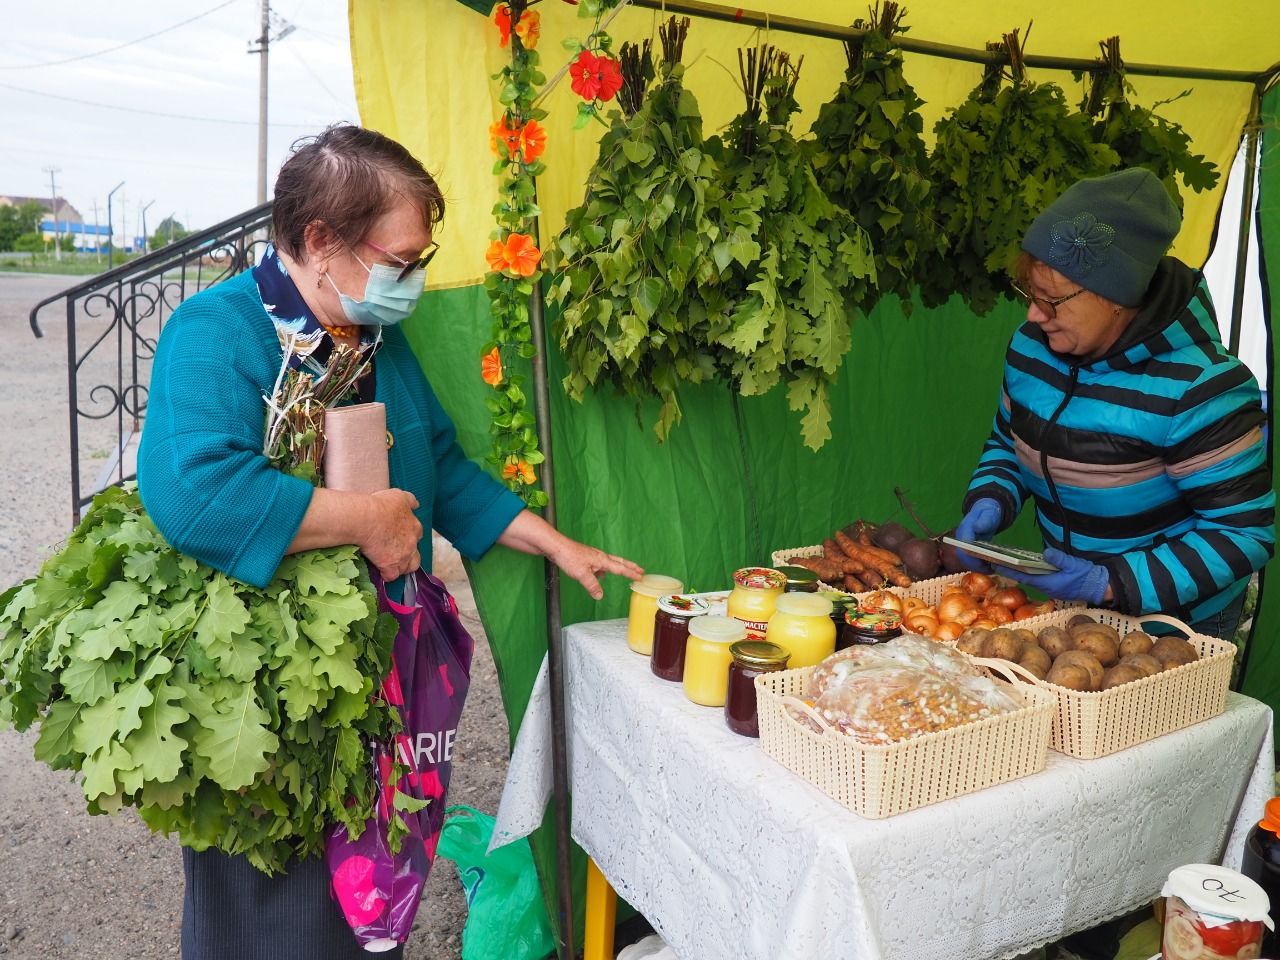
(922, 621)
(880, 601)
(953, 604)
(966, 617)
(985, 623)
(998, 613)
(1011, 597)
(911, 605)
(1033, 610)
(978, 584)
(948, 631)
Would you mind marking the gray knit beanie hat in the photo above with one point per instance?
(1108, 234)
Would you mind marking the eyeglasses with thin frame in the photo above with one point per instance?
(407, 266)
(1050, 307)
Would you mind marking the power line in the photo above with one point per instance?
(119, 46)
(302, 62)
(156, 113)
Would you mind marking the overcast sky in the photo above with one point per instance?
(201, 170)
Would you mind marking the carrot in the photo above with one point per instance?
(888, 556)
(882, 567)
(831, 550)
(845, 543)
(829, 571)
(872, 580)
(853, 584)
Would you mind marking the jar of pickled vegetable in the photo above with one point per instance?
(644, 607)
(671, 633)
(751, 658)
(799, 579)
(861, 626)
(1212, 913)
(801, 625)
(755, 594)
(707, 658)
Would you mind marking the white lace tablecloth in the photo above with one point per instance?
(730, 855)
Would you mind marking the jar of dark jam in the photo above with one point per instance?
(671, 634)
(750, 659)
(799, 579)
(863, 627)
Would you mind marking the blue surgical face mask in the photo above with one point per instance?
(387, 299)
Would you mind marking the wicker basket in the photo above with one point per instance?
(882, 781)
(930, 591)
(1090, 725)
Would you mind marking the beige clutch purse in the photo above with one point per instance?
(355, 448)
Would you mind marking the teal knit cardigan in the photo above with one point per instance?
(201, 472)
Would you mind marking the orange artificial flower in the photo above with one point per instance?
(532, 141)
(491, 368)
(499, 133)
(521, 469)
(495, 256)
(521, 254)
(529, 29)
(502, 18)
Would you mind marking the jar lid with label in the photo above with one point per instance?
(875, 622)
(681, 605)
(1217, 893)
(717, 629)
(656, 585)
(799, 579)
(760, 653)
(760, 578)
(804, 605)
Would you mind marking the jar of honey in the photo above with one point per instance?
(671, 633)
(750, 659)
(707, 658)
(861, 626)
(802, 626)
(800, 579)
(644, 607)
(755, 593)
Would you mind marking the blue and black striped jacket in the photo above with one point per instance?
(1150, 460)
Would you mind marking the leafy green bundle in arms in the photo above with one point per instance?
(233, 716)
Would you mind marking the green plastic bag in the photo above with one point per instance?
(505, 916)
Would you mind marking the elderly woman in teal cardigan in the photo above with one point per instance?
(353, 218)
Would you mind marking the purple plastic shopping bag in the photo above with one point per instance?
(378, 890)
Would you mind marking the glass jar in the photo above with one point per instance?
(671, 633)
(755, 594)
(801, 625)
(750, 659)
(861, 626)
(644, 606)
(1212, 913)
(706, 658)
(799, 579)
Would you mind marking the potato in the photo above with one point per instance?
(1100, 645)
(1070, 676)
(1145, 662)
(1101, 629)
(1035, 660)
(1078, 619)
(1055, 641)
(1025, 635)
(1086, 660)
(1135, 642)
(1174, 652)
(1005, 645)
(974, 642)
(1122, 673)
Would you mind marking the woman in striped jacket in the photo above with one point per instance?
(1138, 435)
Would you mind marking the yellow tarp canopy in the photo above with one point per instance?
(423, 76)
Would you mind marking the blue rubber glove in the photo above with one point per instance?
(982, 522)
(1075, 579)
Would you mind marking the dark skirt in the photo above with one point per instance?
(233, 911)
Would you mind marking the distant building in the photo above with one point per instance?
(66, 212)
(88, 236)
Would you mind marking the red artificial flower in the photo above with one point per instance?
(595, 78)
(519, 468)
(532, 141)
(529, 29)
(502, 18)
(499, 132)
(491, 368)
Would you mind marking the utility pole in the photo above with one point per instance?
(146, 237)
(53, 205)
(97, 241)
(111, 246)
(264, 41)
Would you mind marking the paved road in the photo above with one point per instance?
(76, 886)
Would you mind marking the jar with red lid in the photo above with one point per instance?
(861, 627)
(1212, 913)
(751, 658)
(671, 634)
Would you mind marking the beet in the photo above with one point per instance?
(919, 558)
(950, 559)
(891, 536)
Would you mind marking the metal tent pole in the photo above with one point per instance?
(1251, 130)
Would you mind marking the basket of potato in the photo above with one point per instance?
(1116, 684)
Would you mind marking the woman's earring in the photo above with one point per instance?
(319, 278)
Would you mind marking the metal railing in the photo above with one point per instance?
(113, 324)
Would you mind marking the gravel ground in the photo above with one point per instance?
(76, 885)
